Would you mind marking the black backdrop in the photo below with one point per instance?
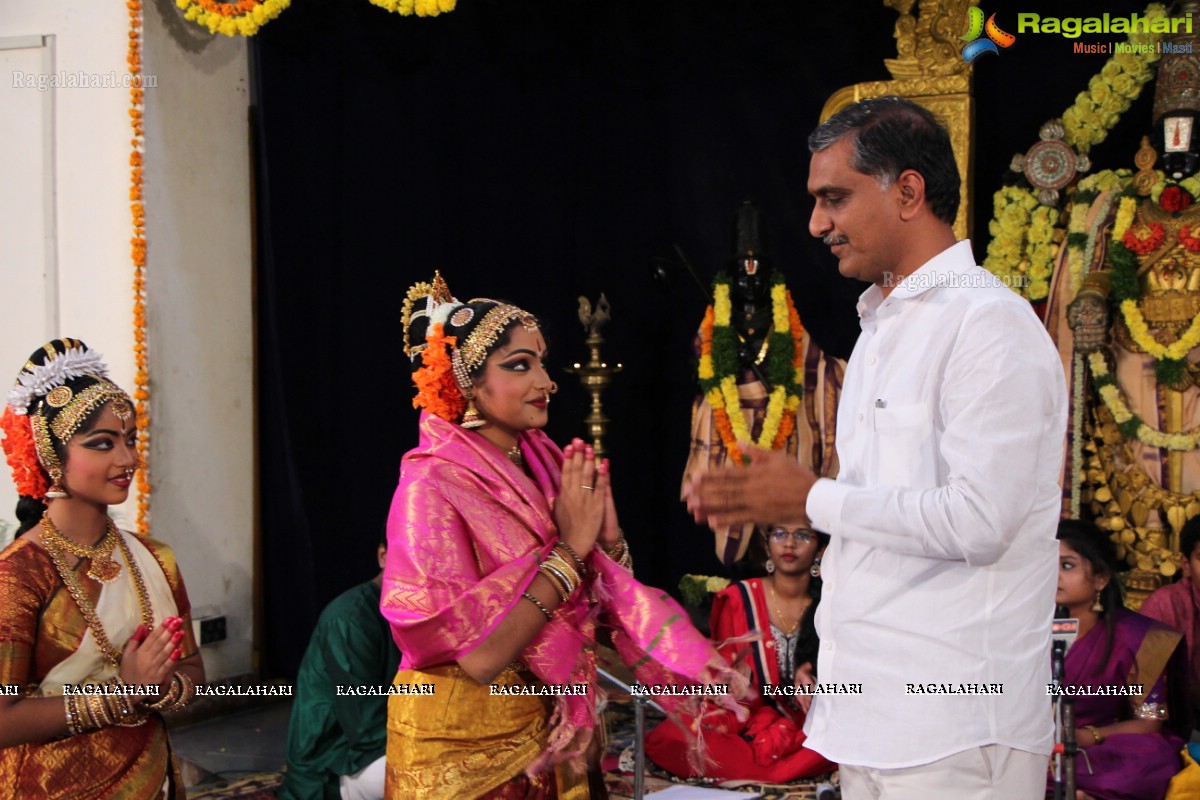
(538, 151)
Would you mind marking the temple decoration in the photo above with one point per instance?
(1123, 306)
(1177, 103)
(929, 69)
(763, 381)
(1026, 238)
(596, 374)
(1051, 164)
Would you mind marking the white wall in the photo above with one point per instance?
(88, 193)
(199, 307)
(200, 317)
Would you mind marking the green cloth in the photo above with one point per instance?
(330, 734)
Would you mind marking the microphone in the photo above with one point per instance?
(1064, 631)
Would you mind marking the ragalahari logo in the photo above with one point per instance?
(996, 38)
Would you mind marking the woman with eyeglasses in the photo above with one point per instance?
(765, 624)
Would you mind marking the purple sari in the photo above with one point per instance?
(1145, 653)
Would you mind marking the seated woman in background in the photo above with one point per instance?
(1178, 605)
(780, 608)
(82, 603)
(504, 557)
(1129, 743)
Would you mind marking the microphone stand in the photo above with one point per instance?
(640, 701)
(1064, 728)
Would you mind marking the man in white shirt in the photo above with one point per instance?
(941, 572)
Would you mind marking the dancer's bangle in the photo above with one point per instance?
(537, 603)
(570, 551)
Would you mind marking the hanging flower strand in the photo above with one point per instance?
(242, 18)
(141, 380)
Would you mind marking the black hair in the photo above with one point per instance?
(1189, 537)
(890, 135)
(30, 509)
(1098, 549)
(759, 551)
(29, 513)
(479, 308)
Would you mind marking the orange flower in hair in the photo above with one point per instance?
(437, 391)
(19, 451)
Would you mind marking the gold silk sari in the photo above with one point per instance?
(461, 741)
(45, 643)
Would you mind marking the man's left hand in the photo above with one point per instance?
(772, 488)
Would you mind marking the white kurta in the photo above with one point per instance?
(943, 563)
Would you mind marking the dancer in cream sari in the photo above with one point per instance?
(95, 641)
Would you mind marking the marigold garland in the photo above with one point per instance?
(1023, 241)
(437, 391)
(1111, 91)
(719, 368)
(422, 8)
(141, 380)
(242, 18)
(21, 453)
(1129, 423)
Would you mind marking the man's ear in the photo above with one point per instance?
(911, 187)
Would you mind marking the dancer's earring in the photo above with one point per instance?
(56, 491)
(471, 417)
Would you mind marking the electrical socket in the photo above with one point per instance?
(212, 630)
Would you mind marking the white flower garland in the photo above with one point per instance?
(74, 362)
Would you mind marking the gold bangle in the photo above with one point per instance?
(74, 718)
(565, 569)
(170, 699)
(537, 603)
(99, 710)
(123, 707)
(574, 556)
(189, 691)
(566, 578)
(1095, 732)
(557, 581)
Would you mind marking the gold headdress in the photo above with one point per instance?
(447, 341)
(52, 399)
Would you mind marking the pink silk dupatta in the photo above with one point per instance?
(466, 532)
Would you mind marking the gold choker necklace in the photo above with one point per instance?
(54, 543)
(103, 569)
